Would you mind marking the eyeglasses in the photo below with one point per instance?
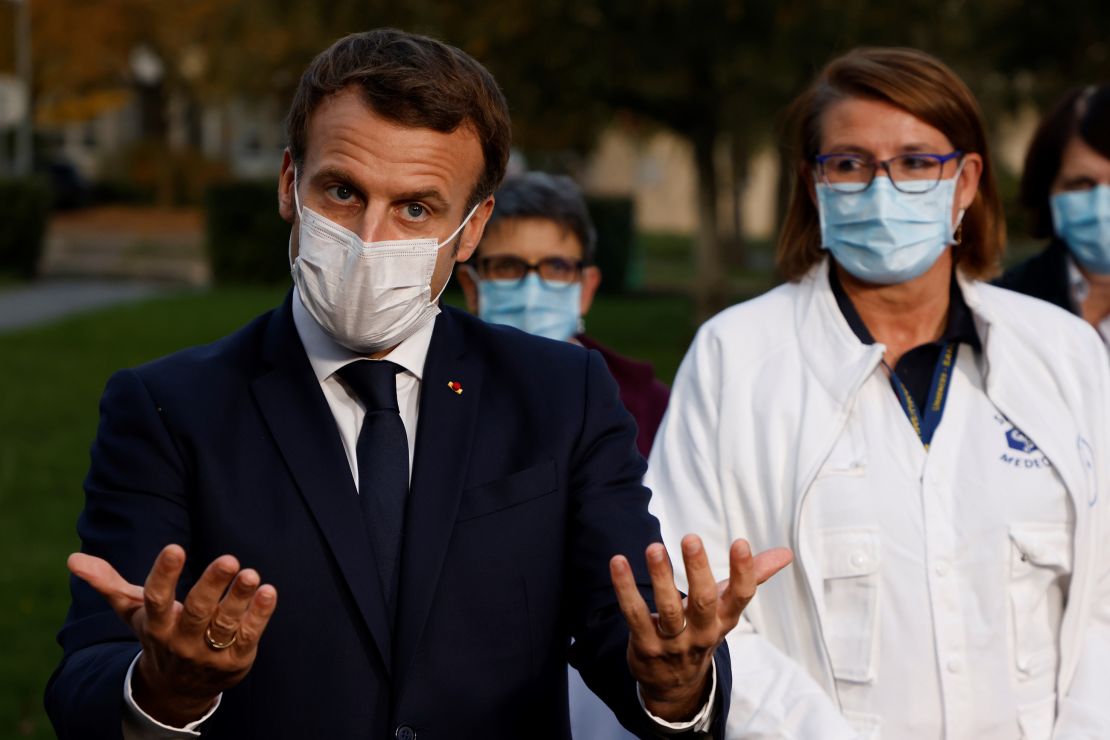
(555, 271)
(909, 173)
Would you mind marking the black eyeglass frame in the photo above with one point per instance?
(482, 267)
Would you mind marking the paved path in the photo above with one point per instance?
(50, 300)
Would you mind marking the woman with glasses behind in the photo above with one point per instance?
(934, 449)
(1065, 187)
(534, 270)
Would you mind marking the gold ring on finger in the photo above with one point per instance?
(669, 635)
(217, 645)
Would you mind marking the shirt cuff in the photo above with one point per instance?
(702, 721)
(138, 725)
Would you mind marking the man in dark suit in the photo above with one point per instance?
(441, 504)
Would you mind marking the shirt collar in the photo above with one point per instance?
(960, 326)
(327, 355)
(1078, 287)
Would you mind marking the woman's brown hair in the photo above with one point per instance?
(925, 88)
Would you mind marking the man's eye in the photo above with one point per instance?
(415, 211)
(342, 193)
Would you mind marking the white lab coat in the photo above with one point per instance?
(761, 398)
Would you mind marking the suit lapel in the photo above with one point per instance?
(444, 434)
(298, 415)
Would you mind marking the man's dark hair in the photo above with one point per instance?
(551, 197)
(413, 81)
(1084, 112)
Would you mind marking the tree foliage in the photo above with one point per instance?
(714, 72)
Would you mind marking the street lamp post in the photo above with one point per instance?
(24, 135)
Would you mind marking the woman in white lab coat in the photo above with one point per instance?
(934, 449)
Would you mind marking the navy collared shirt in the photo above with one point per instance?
(915, 367)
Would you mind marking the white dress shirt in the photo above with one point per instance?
(326, 356)
(1079, 289)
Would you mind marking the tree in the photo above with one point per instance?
(571, 67)
(716, 72)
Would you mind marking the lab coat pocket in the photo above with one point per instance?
(850, 560)
(1040, 564)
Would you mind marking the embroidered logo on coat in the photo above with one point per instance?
(1018, 441)
(1020, 451)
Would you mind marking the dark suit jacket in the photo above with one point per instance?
(523, 487)
(644, 395)
(1044, 276)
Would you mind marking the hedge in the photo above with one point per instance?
(246, 238)
(614, 219)
(24, 207)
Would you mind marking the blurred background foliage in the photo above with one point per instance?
(716, 75)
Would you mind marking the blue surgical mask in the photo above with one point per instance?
(532, 305)
(884, 236)
(1082, 220)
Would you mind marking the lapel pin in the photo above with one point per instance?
(456, 386)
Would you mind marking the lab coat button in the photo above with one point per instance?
(942, 569)
(955, 665)
(859, 560)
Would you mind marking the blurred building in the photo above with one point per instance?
(656, 169)
(658, 172)
(92, 131)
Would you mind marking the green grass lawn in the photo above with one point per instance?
(666, 263)
(53, 377)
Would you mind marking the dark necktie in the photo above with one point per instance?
(383, 464)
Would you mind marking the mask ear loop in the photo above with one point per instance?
(296, 198)
(447, 241)
(465, 221)
(297, 204)
(958, 228)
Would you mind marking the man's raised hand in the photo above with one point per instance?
(670, 652)
(192, 650)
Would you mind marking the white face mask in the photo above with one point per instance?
(368, 296)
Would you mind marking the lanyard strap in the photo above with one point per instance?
(926, 425)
